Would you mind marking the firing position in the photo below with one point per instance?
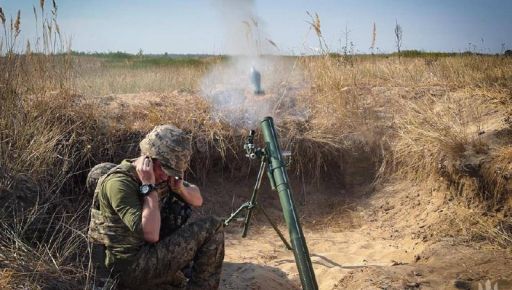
(139, 214)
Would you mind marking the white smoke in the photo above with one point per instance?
(228, 85)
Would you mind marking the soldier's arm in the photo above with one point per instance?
(123, 198)
(142, 218)
(151, 217)
(150, 207)
(188, 191)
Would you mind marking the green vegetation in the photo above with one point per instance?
(128, 60)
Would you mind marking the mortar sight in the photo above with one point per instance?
(250, 150)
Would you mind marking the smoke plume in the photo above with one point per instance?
(227, 86)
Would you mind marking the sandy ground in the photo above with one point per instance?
(384, 241)
(262, 262)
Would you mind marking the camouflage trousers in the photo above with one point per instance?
(200, 242)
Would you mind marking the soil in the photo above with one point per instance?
(385, 240)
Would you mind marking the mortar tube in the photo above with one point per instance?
(277, 169)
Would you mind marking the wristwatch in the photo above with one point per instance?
(145, 189)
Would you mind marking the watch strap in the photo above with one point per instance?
(146, 189)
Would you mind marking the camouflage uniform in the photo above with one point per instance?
(174, 211)
(200, 242)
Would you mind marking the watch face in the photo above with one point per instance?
(145, 189)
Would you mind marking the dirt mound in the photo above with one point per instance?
(249, 276)
(442, 266)
(437, 252)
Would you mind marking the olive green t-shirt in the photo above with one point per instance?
(120, 196)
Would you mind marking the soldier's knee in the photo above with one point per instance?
(215, 223)
(219, 235)
(217, 239)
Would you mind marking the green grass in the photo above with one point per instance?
(420, 53)
(123, 59)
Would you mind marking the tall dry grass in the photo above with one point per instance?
(46, 143)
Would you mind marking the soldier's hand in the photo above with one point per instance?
(176, 184)
(144, 167)
(189, 192)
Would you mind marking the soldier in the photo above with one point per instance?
(126, 218)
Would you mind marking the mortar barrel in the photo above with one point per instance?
(277, 169)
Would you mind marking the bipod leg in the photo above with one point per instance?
(276, 228)
(237, 212)
(254, 196)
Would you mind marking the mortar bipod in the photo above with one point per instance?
(253, 204)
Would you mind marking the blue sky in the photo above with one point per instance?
(206, 26)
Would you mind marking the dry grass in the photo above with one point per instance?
(46, 142)
(44, 250)
(472, 224)
(428, 120)
(94, 76)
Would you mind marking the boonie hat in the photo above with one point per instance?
(171, 146)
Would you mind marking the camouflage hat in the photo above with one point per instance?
(171, 146)
(96, 173)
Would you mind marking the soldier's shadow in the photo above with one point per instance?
(254, 276)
